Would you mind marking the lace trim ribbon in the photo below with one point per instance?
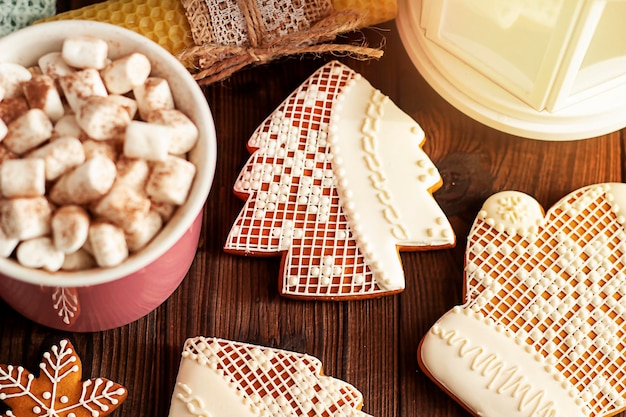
(214, 63)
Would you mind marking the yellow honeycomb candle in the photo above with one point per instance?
(373, 11)
(164, 21)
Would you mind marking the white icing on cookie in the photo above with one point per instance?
(384, 178)
(221, 378)
(491, 372)
(357, 201)
(559, 290)
(191, 399)
(512, 211)
(616, 193)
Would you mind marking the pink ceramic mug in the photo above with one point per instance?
(104, 298)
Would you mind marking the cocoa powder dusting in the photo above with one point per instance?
(37, 89)
(11, 108)
(6, 154)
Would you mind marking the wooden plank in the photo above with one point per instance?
(372, 343)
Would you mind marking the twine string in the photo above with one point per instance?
(217, 62)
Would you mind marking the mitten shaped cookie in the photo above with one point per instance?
(221, 378)
(542, 330)
(337, 184)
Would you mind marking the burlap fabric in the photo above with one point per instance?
(232, 34)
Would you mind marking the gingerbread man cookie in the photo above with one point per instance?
(337, 184)
(542, 331)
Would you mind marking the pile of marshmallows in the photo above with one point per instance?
(92, 157)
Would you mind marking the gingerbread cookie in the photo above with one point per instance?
(542, 331)
(221, 378)
(337, 184)
(58, 390)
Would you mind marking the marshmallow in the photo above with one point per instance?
(86, 183)
(67, 126)
(127, 103)
(25, 218)
(165, 210)
(12, 108)
(41, 93)
(11, 78)
(132, 172)
(108, 244)
(87, 247)
(3, 130)
(70, 225)
(185, 131)
(7, 244)
(53, 65)
(121, 170)
(28, 131)
(80, 85)
(122, 206)
(60, 155)
(147, 140)
(23, 178)
(85, 52)
(78, 261)
(6, 154)
(124, 74)
(102, 117)
(108, 148)
(170, 180)
(35, 71)
(154, 94)
(139, 233)
(40, 253)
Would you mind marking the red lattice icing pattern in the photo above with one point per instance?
(293, 202)
(274, 382)
(339, 234)
(560, 288)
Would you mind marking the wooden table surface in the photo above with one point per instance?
(370, 344)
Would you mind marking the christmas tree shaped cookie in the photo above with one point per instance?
(543, 328)
(337, 184)
(58, 390)
(221, 378)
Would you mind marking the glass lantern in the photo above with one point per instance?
(546, 69)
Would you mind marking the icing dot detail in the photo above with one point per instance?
(273, 371)
(571, 284)
(303, 169)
